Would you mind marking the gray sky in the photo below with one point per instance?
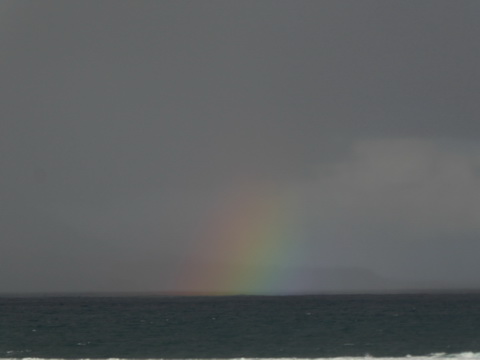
(127, 126)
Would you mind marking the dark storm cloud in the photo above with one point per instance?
(126, 120)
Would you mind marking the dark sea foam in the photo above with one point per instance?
(414, 326)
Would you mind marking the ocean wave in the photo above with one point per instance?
(463, 355)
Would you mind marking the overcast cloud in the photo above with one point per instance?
(124, 124)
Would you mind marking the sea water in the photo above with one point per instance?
(433, 326)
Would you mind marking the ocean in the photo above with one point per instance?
(231, 327)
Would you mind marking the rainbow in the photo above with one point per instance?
(251, 235)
